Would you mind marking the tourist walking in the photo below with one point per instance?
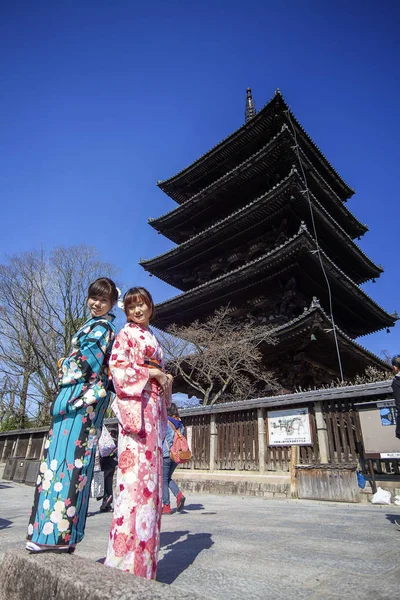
(143, 391)
(60, 505)
(108, 463)
(169, 466)
(396, 390)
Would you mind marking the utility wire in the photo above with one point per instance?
(307, 193)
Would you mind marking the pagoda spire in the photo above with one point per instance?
(250, 106)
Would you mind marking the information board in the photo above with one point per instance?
(378, 425)
(289, 427)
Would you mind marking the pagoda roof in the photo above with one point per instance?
(207, 243)
(355, 357)
(172, 224)
(294, 341)
(299, 253)
(185, 183)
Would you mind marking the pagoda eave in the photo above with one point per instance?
(238, 225)
(311, 335)
(176, 224)
(182, 185)
(297, 258)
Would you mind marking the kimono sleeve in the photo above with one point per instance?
(86, 363)
(130, 377)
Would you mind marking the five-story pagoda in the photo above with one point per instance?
(261, 224)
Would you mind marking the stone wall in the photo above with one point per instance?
(25, 576)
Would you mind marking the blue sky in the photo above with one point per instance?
(100, 99)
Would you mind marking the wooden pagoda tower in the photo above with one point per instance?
(245, 235)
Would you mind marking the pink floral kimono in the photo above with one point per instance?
(142, 415)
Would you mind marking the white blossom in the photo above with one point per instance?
(48, 475)
(48, 528)
(63, 525)
(59, 506)
(55, 517)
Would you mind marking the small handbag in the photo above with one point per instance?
(97, 486)
(179, 452)
(106, 443)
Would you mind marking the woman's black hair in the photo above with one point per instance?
(135, 293)
(173, 410)
(396, 361)
(103, 287)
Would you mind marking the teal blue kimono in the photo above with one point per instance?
(62, 488)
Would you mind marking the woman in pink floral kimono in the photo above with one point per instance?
(143, 391)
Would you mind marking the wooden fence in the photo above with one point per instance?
(234, 437)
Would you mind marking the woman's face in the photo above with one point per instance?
(139, 312)
(99, 305)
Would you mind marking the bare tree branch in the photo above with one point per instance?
(218, 358)
(42, 305)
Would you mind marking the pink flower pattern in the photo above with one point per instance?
(141, 412)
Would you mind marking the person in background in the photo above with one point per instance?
(169, 465)
(60, 506)
(396, 390)
(108, 464)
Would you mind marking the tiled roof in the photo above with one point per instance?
(174, 216)
(221, 148)
(235, 218)
(215, 184)
(279, 253)
(372, 391)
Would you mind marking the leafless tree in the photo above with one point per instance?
(42, 304)
(218, 359)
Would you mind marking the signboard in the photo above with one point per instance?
(378, 425)
(289, 427)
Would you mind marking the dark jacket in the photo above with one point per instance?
(396, 393)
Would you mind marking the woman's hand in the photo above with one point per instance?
(164, 381)
(170, 382)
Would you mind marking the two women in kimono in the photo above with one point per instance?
(143, 391)
(59, 511)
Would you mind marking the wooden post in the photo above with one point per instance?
(322, 433)
(294, 459)
(213, 441)
(29, 448)
(4, 450)
(15, 447)
(261, 439)
(42, 448)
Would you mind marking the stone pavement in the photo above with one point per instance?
(232, 547)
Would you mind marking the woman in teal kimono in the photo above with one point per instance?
(61, 499)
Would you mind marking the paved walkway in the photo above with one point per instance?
(230, 547)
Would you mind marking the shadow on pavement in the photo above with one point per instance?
(180, 554)
(394, 519)
(4, 523)
(193, 507)
(3, 486)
